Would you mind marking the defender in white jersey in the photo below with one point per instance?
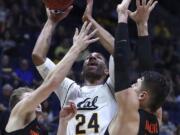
(95, 103)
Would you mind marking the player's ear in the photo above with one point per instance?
(106, 71)
(143, 95)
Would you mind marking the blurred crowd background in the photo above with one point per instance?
(21, 22)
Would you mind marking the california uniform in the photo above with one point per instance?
(96, 105)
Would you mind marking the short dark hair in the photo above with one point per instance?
(158, 87)
(17, 94)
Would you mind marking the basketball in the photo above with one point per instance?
(58, 4)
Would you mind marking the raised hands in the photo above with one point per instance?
(82, 39)
(88, 12)
(144, 8)
(122, 10)
(56, 16)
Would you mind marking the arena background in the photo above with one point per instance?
(21, 22)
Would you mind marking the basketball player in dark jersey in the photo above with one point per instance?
(138, 103)
(24, 101)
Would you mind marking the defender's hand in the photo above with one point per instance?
(82, 39)
(122, 10)
(68, 112)
(141, 15)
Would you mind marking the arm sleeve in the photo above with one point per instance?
(121, 57)
(66, 85)
(45, 68)
(144, 53)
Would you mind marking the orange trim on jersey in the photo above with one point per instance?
(151, 127)
(33, 133)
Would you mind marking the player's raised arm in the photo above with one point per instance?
(127, 99)
(41, 48)
(141, 17)
(39, 55)
(106, 39)
(80, 42)
(122, 48)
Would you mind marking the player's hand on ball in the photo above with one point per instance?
(82, 39)
(56, 16)
(88, 12)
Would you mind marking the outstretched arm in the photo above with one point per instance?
(80, 41)
(127, 118)
(41, 48)
(106, 39)
(122, 48)
(141, 17)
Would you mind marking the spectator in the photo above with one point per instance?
(167, 128)
(6, 93)
(24, 72)
(177, 130)
(6, 70)
(4, 116)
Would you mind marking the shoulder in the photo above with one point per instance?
(127, 100)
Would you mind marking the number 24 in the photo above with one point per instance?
(93, 123)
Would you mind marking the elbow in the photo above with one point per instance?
(37, 59)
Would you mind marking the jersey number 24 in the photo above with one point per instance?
(92, 124)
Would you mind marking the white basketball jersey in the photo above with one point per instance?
(96, 108)
(96, 105)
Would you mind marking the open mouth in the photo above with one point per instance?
(92, 64)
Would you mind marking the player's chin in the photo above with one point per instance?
(92, 69)
(92, 72)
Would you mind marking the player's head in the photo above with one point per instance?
(19, 94)
(95, 67)
(152, 89)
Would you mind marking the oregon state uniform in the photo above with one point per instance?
(96, 105)
(148, 125)
(31, 129)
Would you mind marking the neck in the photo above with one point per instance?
(147, 110)
(93, 82)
